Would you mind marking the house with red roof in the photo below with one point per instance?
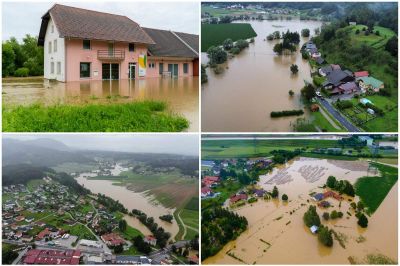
(151, 240)
(360, 74)
(113, 239)
(236, 198)
(43, 234)
(205, 192)
(210, 180)
(81, 45)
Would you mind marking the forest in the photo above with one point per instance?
(22, 59)
(218, 227)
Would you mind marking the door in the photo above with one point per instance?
(173, 69)
(132, 70)
(110, 71)
(110, 49)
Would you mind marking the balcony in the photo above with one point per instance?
(114, 55)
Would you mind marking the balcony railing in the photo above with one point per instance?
(110, 54)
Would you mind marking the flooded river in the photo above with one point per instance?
(256, 82)
(131, 200)
(281, 224)
(181, 94)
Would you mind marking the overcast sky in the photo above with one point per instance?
(186, 144)
(21, 18)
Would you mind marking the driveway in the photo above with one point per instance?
(349, 126)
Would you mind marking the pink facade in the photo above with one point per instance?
(75, 54)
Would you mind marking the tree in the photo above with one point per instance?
(392, 46)
(217, 55)
(294, 68)
(360, 206)
(308, 92)
(357, 31)
(8, 57)
(275, 192)
(335, 214)
(144, 247)
(325, 215)
(291, 93)
(8, 256)
(285, 197)
(244, 178)
(118, 249)
(363, 221)
(353, 205)
(305, 33)
(325, 236)
(227, 44)
(331, 182)
(311, 217)
(241, 44)
(377, 33)
(122, 225)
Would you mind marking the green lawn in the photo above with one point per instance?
(372, 39)
(190, 218)
(130, 232)
(373, 189)
(216, 34)
(146, 116)
(320, 121)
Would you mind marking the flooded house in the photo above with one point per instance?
(81, 45)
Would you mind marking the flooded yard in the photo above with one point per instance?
(131, 200)
(277, 234)
(182, 94)
(256, 82)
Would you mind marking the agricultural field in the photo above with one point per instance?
(218, 12)
(215, 34)
(189, 215)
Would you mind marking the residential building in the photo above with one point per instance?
(370, 84)
(151, 240)
(360, 74)
(81, 45)
(113, 239)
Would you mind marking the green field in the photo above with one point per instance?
(70, 167)
(372, 190)
(215, 34)
(218, 12)
(373, 40)
(320, 121)
(146, 116)
(217, 149)
(190, 216)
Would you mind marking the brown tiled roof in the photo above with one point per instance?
(171, 44)
(191, 39)
(87, 24)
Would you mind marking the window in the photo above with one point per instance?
(131, 47)
(55, 45)
(152, 65)
(185, 68)
(86, 44)
(58, 68)
(52, 67)
(160, 68)
(85, 70)
(49, 47)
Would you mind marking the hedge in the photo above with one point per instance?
(287, 113)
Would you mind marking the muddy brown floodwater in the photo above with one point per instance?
(131, 200)
(181, 94)
(289, 240)
(256, 82)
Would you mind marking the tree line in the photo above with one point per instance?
(22, 58)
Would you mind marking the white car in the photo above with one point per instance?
(318, 94)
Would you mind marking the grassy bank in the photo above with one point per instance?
(215, 34)
(373, 189)
(190, 217)
(146, 116)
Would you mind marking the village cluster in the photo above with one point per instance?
(53, 225)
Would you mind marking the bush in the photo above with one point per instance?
(325, 216)
(284, 197)
(252, 200)
(362, 221)
(275, 192)
(344, 104)
(357, 31)
(241, 44)
(294, 69)
(291, 93)
(227, 44)
(287, 113)
(305, 33)
(21, 72)
(235, 50)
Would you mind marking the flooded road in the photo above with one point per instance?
(182, 94)
(131, 200)
(256, 82)
(290, 241)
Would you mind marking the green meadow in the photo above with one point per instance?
(146, 116)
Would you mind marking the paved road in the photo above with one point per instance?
(342, 120)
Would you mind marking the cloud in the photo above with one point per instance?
(21, 18)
